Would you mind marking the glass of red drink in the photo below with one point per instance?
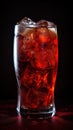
(35, 55)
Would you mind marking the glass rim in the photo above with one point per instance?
(19, 28)
(52, 25)
(28, 23)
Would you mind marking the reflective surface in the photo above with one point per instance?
(9, 119)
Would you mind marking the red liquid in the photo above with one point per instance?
(37, 59)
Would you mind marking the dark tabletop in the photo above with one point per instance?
(10, 120)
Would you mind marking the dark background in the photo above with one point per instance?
(58, 12)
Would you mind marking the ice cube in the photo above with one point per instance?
(22, 24)
(45, 23)
(47, 29)
(27, 22)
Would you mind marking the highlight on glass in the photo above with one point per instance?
(35, 55)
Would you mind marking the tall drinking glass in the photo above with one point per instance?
(35, 55)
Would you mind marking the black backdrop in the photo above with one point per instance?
(61, 15)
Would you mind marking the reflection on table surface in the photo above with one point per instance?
(10, 120)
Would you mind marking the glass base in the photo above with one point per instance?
(37, 113)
